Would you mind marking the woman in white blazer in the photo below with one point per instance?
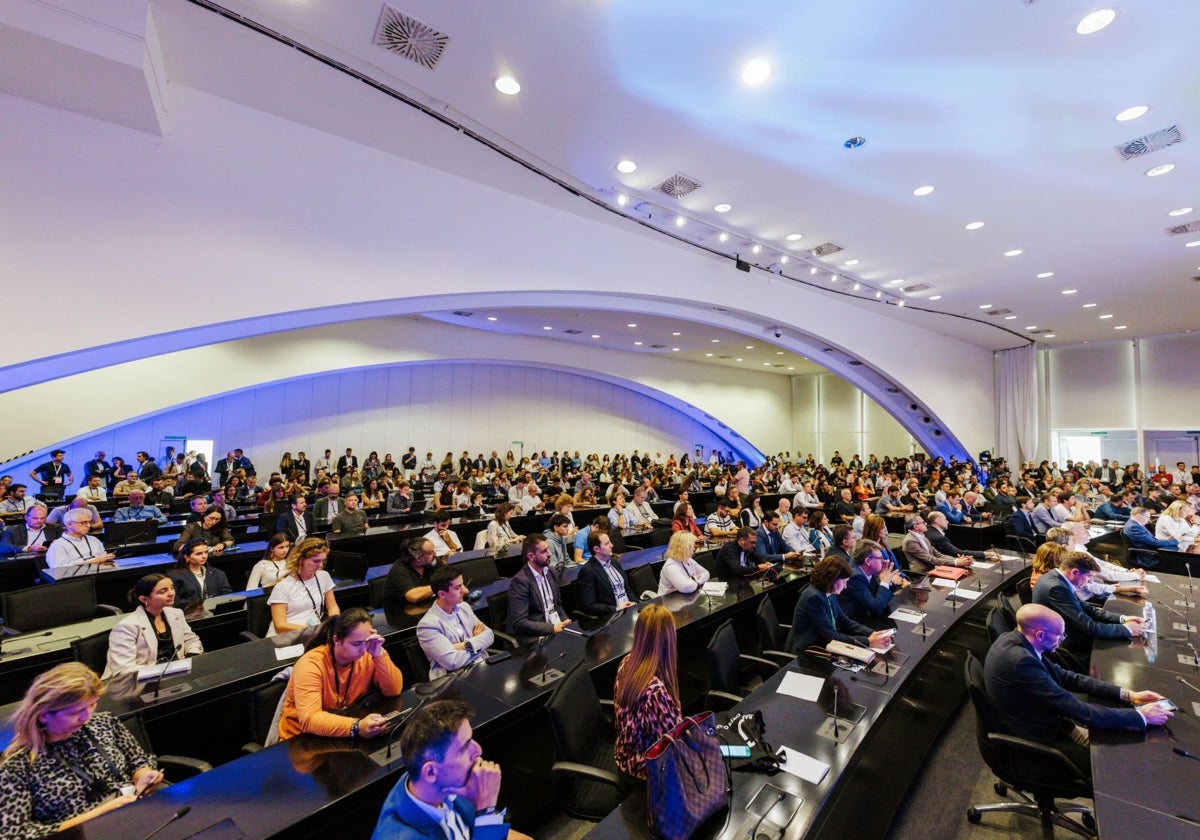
(154, 632)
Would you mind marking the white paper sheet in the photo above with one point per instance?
(1152, 579)
(715, 588)
(804, 766)
(289, 652)
(154, 672)
(968, 594)
(906, 614)
(948, 584)
(800, 685)
(979, 564)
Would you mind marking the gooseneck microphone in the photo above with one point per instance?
(20, 636)
(836, 732)
(158, 680)
(546, 667)
(182, 812)
(754, 835)
(1188, 684)
(1186, 620)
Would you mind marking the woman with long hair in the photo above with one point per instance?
(273, 566)
(155, 632)
(751, 515)
(68, 763)
(819, 532)
(499, 532)
(210, 529)
(684, 519)
(875, 529)
(304, 598)
(646, 694)
(819, 619)
(194, 579)
(344, 661)
(1047, 558)
(680, 572)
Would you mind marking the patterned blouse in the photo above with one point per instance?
(72, 776)
(640, 727)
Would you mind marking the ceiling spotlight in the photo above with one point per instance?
(850, 262)
(1069, 291)
(723, 208)
(935, 297)
(985, 306)
(756, 71)
(1031, 327)
(1182, 211)
(749, 346)
(637, 344)
(791, 368)
(1161, 169)
(622, 199)
(1090, 305)
(1045, 274)
(878, 295)
(778, 352)
(715, 340)
(627, 166)
(1105, 317)
(1010, 317)
(757, 249)
(1095, 21)
(974, 225)
(1132, 113)
(493, 318)
(923, 190)
(833, 278)
(595, 335)
(1049, 335)
(812, 270)
(547, 328)
(507, 85)
(896, 282)
(900, 303)
(708, 355)
(724, 237)
(680, 221)
(739, 359)
(1119, 327)
(1016, 252)
(676, 333)
(1192, 244)
(857, 286)
(783, 260)
(793, 237)
(674, 349)
(631, 326)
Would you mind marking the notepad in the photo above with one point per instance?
(289, 652)
(967, 594)
(905, 614)
(714, 587)
(154, 672)
(803, 766)
(800, 685)
(1152, 579)
(948, 584)
(979, 564)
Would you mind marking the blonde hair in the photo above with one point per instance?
(1049, 555)
(1179, 509)
(563, 500)
(303, 550)
(62, 686)
(682, 546)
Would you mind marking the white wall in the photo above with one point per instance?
(829, 413)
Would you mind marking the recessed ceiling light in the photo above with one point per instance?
(923, 190)
(493, 318)
(676, 333)
(1182, 211)
(1010, 317)
(1031, 327)
(631, 326)
(778, 352)
(756, 71)
(1105, 317)
(878, 295)
(1161, 169)
(1119, 327)
(507, 85)
(627, 166)
(708, 354)
(757, 249)
(1095, 21)
(1192, 244)
(622, 199)
(715, 340)
(1069, 291)
(724, 237)
(739, 359)
(749, 346)
(1090, 305)
(935, 297)
(595, 335)
(857, 286)
(547, 328)
(674, 349)
(1045, 274)
(985, 306)
(900, 303)
(723, 207)
(833, 278)
(850, 262)
(1132, 113)
(783, 260)
(680, 221)
(766, 364)
(974, 225)
(637, 344)
(791, 368)
(812, 270)
(1049, 335)
(793, 237)
(1015, 252)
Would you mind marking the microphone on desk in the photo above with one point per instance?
(546, 667)
(754, 835)
(21, 636)
(182, 812)
(1188, 684)
(158, 680)
(1185, 753)
(1186, 600)
(836, 732)
(1178, 613)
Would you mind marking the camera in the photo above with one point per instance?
(777, 332)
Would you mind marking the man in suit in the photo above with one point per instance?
(952, 508)
(602, 587)
(225, 468)
(33, 533)
(1057, 590)
(1022, 519)
(869, 591)
(738, 559)
(1116, 508)
(1033, 696)
(447, 790)
(296, 521)
(936, 534)
(329, 502)
(147, 469)
(1044, 516)
(535, 606)
(303, 466)
(449, 633)
(1139, 535)
(769, 545)
(241, 462)
(347, 462)
(920, 551)
(844, 540)
(98, 466)
(1106, 474)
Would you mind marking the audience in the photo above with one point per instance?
(450, 634)
(304, 597)
(154, 633)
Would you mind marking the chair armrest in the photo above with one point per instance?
(758, 661)
(247, 636)
(183, 765)
(108, 609)
(250, 748)
(779, 657)
(608, 703)
(584, 771)
(727, 698)
(508, 640)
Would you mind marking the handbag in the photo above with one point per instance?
(687, 778)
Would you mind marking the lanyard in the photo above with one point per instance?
(319, 610)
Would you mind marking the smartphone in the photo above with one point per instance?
(735, 751)
(498, 657)
(1167, 704)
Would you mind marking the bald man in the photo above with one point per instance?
(1033, 696)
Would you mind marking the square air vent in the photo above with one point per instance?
(825, 249)
(462, 313)
(916, 287)
(999, 312)
(409, 38)
(1148, 143)
(1180, 230)
(658, 346)
(573, 332)
(679, 185)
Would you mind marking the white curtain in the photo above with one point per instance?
(1017, 404)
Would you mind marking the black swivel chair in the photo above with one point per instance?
(997, 624)
(177, 767)
(263, 702)
(415, 660)
(53, 605)
(593, 784)
(1035, 773)
(733, 674)
(92, 651)
(258, 618)
(642, 580)
(1135, 558)
(660, 536)
(1024, 546)
(771, 634)
(375, 590)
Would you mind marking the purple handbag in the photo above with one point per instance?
(687, 779)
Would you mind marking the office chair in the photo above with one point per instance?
(415, 659)
(997, 624)
(264, 705)
(1144, 558)
(1024, 592)
(177, 767)
(375, 589)
(1035, 773)
(727, 683)
(53, 605)
(1022, 545)
(642, 582)
(771, 634)
(258, 618)
(92, 651)
(660, 537)
(497, 604)
(594, 786)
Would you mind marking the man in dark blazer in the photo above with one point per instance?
(769, 545)
(295, 519)
(347, 462)
(602, 587)
(97, 466)
(225, 468)
(535, 606)
(869, 590)
(1022, 519)
(147, 469)
(1057, 590)
(936, 534)
(18, 537)
(1033, 696)
(738, 558)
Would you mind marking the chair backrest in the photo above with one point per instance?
(418, 663)
(723, 653)
(1007, 612)
(498, 609)
(118, 534)
(660, 536)
(643, 580)
(350, 565)
(50, 605)
(258, 615)
(997, 626)
(180, 505)
(375, 590)
(770, 636)
(986, 719)
(1024, 592)
(481, 540)
(262, 702)
(574, 710)
(92, 651)
(480, 571)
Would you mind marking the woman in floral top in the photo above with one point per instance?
(68, 763)
(646, 696)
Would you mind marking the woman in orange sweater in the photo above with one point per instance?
(344, 662)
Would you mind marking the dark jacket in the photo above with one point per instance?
(526, 610)
(594, 590)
